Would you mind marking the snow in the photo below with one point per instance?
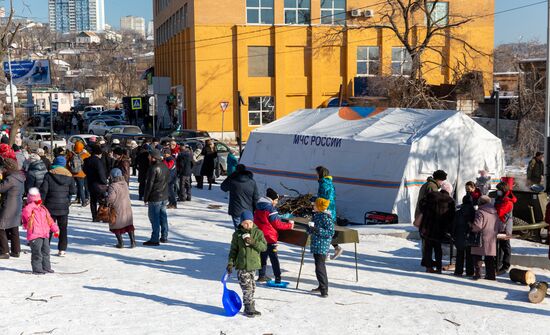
(176, 289)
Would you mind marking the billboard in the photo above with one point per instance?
(29, 72)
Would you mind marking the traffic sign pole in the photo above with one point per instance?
(223, 105)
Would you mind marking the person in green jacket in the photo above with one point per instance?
(246, 245)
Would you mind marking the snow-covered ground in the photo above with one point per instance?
(175, 288)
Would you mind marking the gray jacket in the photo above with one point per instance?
(11, 201)
(119, 198)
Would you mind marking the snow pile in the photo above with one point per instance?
(176, 289)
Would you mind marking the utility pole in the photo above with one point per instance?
(11, 84)
(496, 92)
(547, 108)
(239, 118)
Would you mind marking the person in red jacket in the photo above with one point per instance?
(473, 192)
(504, 204)
(269, 222)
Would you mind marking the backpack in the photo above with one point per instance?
(75, 165)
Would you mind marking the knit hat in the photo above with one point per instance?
(40, 152)
(6, 151)
(156, 154)
(33, 195)
(271, 194)
(446, 186)
(247, 215)
(322, 204)
(116, 173)
(133, 144)
(118, 151)
(59, 161)
(78, 147)
(440, 175)
(93, 139)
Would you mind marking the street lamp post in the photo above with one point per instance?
(11, 84)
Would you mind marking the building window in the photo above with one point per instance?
(297, 12)
(401, 62)
(259, 11)
(439, 13)
(368, 61)
(261, 110)
(261, 62)
(333, 12)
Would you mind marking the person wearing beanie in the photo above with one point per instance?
(118, 198)
(39, 225)
(326, 190)
(43, 157)
(122, 162)
(75, 164)
(321, 231)
(244, 255)
(432, 184)
(12, 187)
(36, 171)
(56, 191)
(243, 193)
(170, 163)
(268, 221)
(156, 197)
(96, 177)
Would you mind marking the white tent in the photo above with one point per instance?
(379, 158)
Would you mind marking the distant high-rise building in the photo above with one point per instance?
(2, 12)
(76, 15)
(133, 23)
(151, 29)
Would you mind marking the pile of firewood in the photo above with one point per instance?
(299, 206)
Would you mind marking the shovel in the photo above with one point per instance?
(231, 301)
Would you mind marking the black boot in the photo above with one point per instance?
(253, 309)
(120, 243)
(248, 311)
(132, 239)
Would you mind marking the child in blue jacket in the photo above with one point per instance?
(321, 230)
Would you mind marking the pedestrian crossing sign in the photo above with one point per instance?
(136, 103)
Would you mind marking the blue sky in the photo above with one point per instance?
(522, 24)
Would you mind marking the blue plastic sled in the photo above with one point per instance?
(231, 301)
(272, 283)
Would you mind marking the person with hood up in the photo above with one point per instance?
(12, 188)
(39, 225)
(269, 222)
(504, 204)
(321, 231)
(56, 191)
(96, 177)
(208, 168)
(486, 222)
(122, 162)
(326, 191)
(36, 170)
(243, 193)
(142, 164)
(43, 157)
(156, 198)
(170, 163)
(184, 166)
(75, 164)
(118, 196)
(247, 243)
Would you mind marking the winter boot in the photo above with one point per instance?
(316, 290)
(263, 279)
(14, 254)
(248, 311)
(120, 243)
(5, 256)
(337, 252)
(132, 239)
(253, 309)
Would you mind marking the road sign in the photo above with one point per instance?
(224, 105)
(136, 104)
(15, 99)
(54, 107)
(10, 88)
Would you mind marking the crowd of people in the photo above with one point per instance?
(479, 229)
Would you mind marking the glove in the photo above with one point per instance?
(229, 269)
(56, 235)
(249, 241)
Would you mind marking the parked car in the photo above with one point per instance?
(87, 122)
(90, 114)
(185, 134)
(43, 140)
(124, 139)
(82, 138)
(117, 113)
(94, 108)
(123, 129)
(223, 152)
(101, 127)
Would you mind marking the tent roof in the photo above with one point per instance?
(392, 125)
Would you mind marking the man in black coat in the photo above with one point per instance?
(184, 166)
(243, 193)
(142, 163)
(156, 197)
(36, 170)
(96, 177)
(56, 191)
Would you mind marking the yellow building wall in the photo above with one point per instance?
(311, 62)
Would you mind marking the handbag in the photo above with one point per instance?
(474, 240)
(103, 213)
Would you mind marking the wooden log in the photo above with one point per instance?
(538, 292)
(522, 276)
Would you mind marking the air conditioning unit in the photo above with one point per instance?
(368, 13)
(356, 13)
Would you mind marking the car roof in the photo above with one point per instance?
(85, 136)
(43, 133)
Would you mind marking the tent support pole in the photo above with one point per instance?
(301, 265)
